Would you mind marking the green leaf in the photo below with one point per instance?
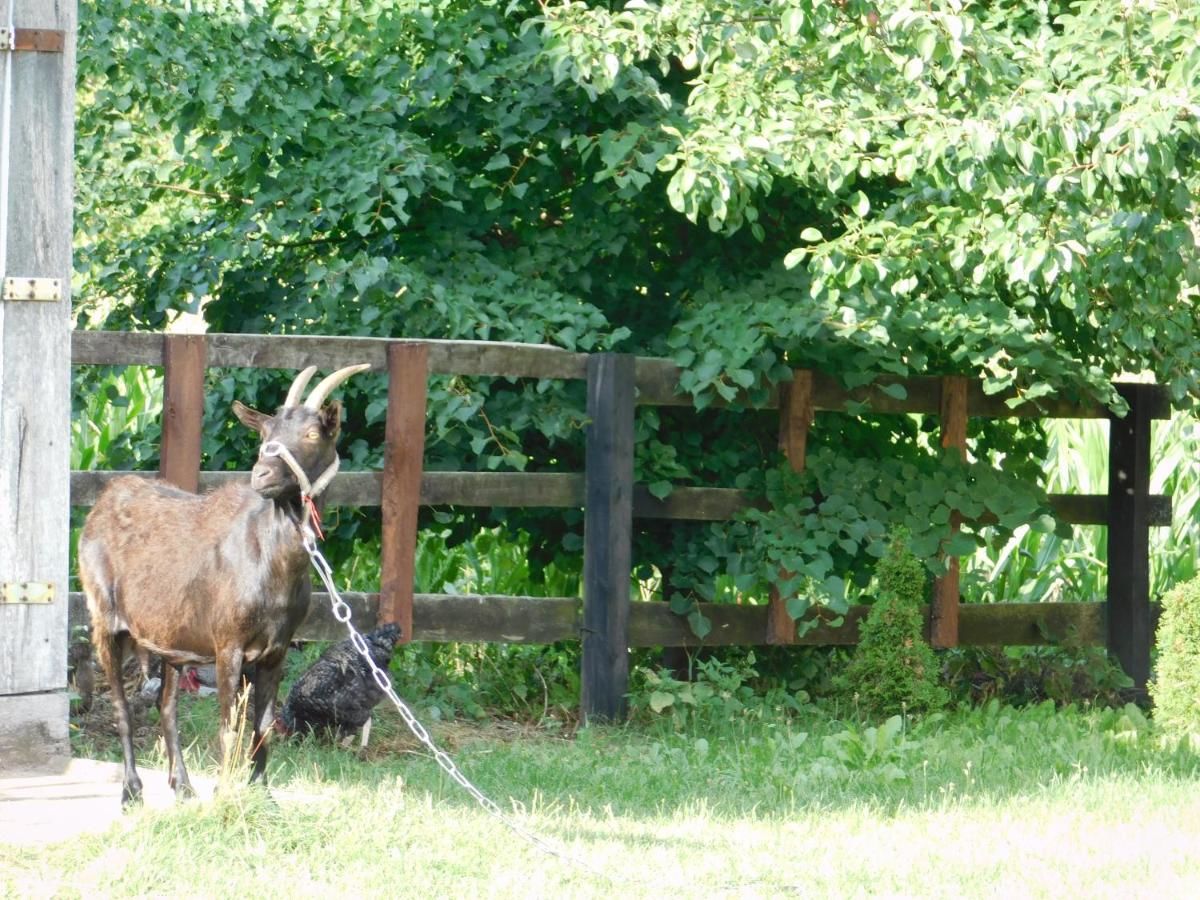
(612, 64)
(798, 607)
(681, 604)
(796, 256)
(660, 700)
(926, 42)
(960, 544)
(743, 378)
(835, 590)
(1044, 524)
(660, 489)
(792, 21)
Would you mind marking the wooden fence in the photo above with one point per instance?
(606, 621)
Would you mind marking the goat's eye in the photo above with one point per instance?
(313, 435)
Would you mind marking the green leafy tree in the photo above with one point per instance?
(979, 187)
(991, 189)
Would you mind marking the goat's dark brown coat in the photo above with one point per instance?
(216, 578)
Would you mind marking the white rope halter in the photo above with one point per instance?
(308, 490)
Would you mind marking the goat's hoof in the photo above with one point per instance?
(184, 791)
(131, 795)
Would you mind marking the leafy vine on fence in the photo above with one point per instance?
(830, 523)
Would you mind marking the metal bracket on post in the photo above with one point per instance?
(37, 40)
(26, 592)
(45, 289)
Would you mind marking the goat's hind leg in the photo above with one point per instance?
(110, 649)
(168, 708)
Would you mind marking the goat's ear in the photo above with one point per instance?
(331, 418)
(251, 418)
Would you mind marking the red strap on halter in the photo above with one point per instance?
(313, 515)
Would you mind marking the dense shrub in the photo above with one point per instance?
(894, 669)
(1175, 689)
(1064, 673)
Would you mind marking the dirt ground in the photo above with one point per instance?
(94, 730)
(75, 797)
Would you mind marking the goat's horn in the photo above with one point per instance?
(296, 391)
(326, 386)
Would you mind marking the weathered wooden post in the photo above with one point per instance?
(608, 535)
(37, 93)
(1129, 627)
(795, 417)
(184, 360)
(943, 615)
(403, 463)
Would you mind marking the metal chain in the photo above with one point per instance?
(342, 612)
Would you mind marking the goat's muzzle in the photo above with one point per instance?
(270, 478)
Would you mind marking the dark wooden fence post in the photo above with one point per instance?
(1129, 627)
(943, 613)
(608, 533)
(403, 463)
(795, 417)
(184, 359)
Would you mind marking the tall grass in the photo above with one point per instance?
(1034, 567)
(494, 561)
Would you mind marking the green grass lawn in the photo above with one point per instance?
(989, 802)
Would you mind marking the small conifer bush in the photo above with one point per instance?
(894, 670)
(1175, 689)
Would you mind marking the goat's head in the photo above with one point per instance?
(308, 430)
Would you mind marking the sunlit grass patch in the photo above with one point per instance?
(989, 801)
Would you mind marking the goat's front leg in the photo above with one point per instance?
(229, 679)
(168, 705)
(266, 691)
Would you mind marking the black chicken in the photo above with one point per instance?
(337, 693)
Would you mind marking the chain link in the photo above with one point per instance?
(342, 612)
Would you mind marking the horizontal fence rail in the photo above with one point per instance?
(656, 380)
(546, 620)
(611, 502)
(565, 490)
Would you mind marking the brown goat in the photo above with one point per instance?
(221, 577)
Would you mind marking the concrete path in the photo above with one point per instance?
(73, 797)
